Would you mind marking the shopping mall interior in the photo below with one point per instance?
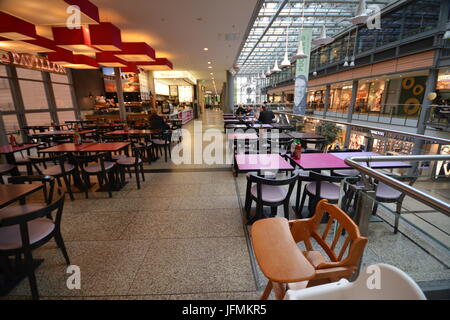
(224, 150)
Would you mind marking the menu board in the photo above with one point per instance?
(443, 82)
(185, 93)
(130, 82)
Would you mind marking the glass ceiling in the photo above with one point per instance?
(266, 40)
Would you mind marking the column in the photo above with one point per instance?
(326, 103)
(122, 110)
(50, 96)
(351, 108)
(3, 137)
(230, 92)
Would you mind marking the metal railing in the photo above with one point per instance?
(421, 196)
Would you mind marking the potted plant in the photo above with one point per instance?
(329, 131)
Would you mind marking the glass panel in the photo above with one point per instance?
(62, 78)
(391, 27)
(63, 96)
(29, 74)
(33, 94)
(66, 116)
(11, 123)
(39, 118)
(421, 16)
(6, 100)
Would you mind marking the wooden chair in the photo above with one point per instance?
(23, 232)
(6, 169)
(275, 242)
(162, 141)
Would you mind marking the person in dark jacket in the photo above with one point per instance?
(240, 111)
(266, 116)
(157, 122)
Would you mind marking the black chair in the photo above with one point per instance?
(6, 169)
(61, 169)
(320, 187)
(23, 232)
(162, 141)
(268, 192)
(133, 162)
(319, 144)
(100, 168)
(387, 194)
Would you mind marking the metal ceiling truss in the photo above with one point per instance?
(266, 38)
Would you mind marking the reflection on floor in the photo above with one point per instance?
(181, 236)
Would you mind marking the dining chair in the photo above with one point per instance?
(320, 187)
(268, 192)
(6, 169)
(343, 249)
(21, 232)
(162, 141)
(387, 194)
(61, 169)
(95, 165)
(135, 162)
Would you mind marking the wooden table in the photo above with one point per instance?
(10, 193)
(87, 147)
(133, 132)
(278, 256)
(61, 133)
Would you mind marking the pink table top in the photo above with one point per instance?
(254, 162)
(319, 161)
(242, 136)
(379, 165)
(327, 161)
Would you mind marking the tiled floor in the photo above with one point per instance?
(181, 236)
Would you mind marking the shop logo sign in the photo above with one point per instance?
(30, 61)
(74, 19)
(374, 280)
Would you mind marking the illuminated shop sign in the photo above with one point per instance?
(30, 61)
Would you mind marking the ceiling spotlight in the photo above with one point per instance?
(209, 67)
(211, 73)
(209, 62)
(205, 49)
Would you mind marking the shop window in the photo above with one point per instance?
(391, 26)
(23, 73)
(11, 122)
(38, 118)
(6, 100)
(366, 39)
(33, 95)
(66, 116)
(60, 78)
(63, 96)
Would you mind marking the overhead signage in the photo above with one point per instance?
(30, 61)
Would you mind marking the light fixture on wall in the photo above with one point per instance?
(300, 54)
(446, 35)
(361, 14)
(263, 75)
(348, 46)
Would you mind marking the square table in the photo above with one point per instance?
(271, 135)
(260, 162)
(258, 126)
(304, 135)
(66, 147)
(133, 132)
(10, 193)
(106, 146)
(235, 126)
(282, 126)
(242, 136)
(376, 165)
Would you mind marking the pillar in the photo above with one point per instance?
(121, 101)
(351, 108)
(326, 103)
(230, 92)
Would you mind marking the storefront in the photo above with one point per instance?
(370, 96)
(341, 94)
(34, 91)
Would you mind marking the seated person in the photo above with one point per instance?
(266, 116)
(157, 122)
(249, 111)
(240, 111)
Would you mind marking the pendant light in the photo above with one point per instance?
(286, 63)
(348, 46)
(268, 72)
(352, 61)
(275, 67)
(323, 39)
(300, 54)
(263, 76)
(361, 14)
